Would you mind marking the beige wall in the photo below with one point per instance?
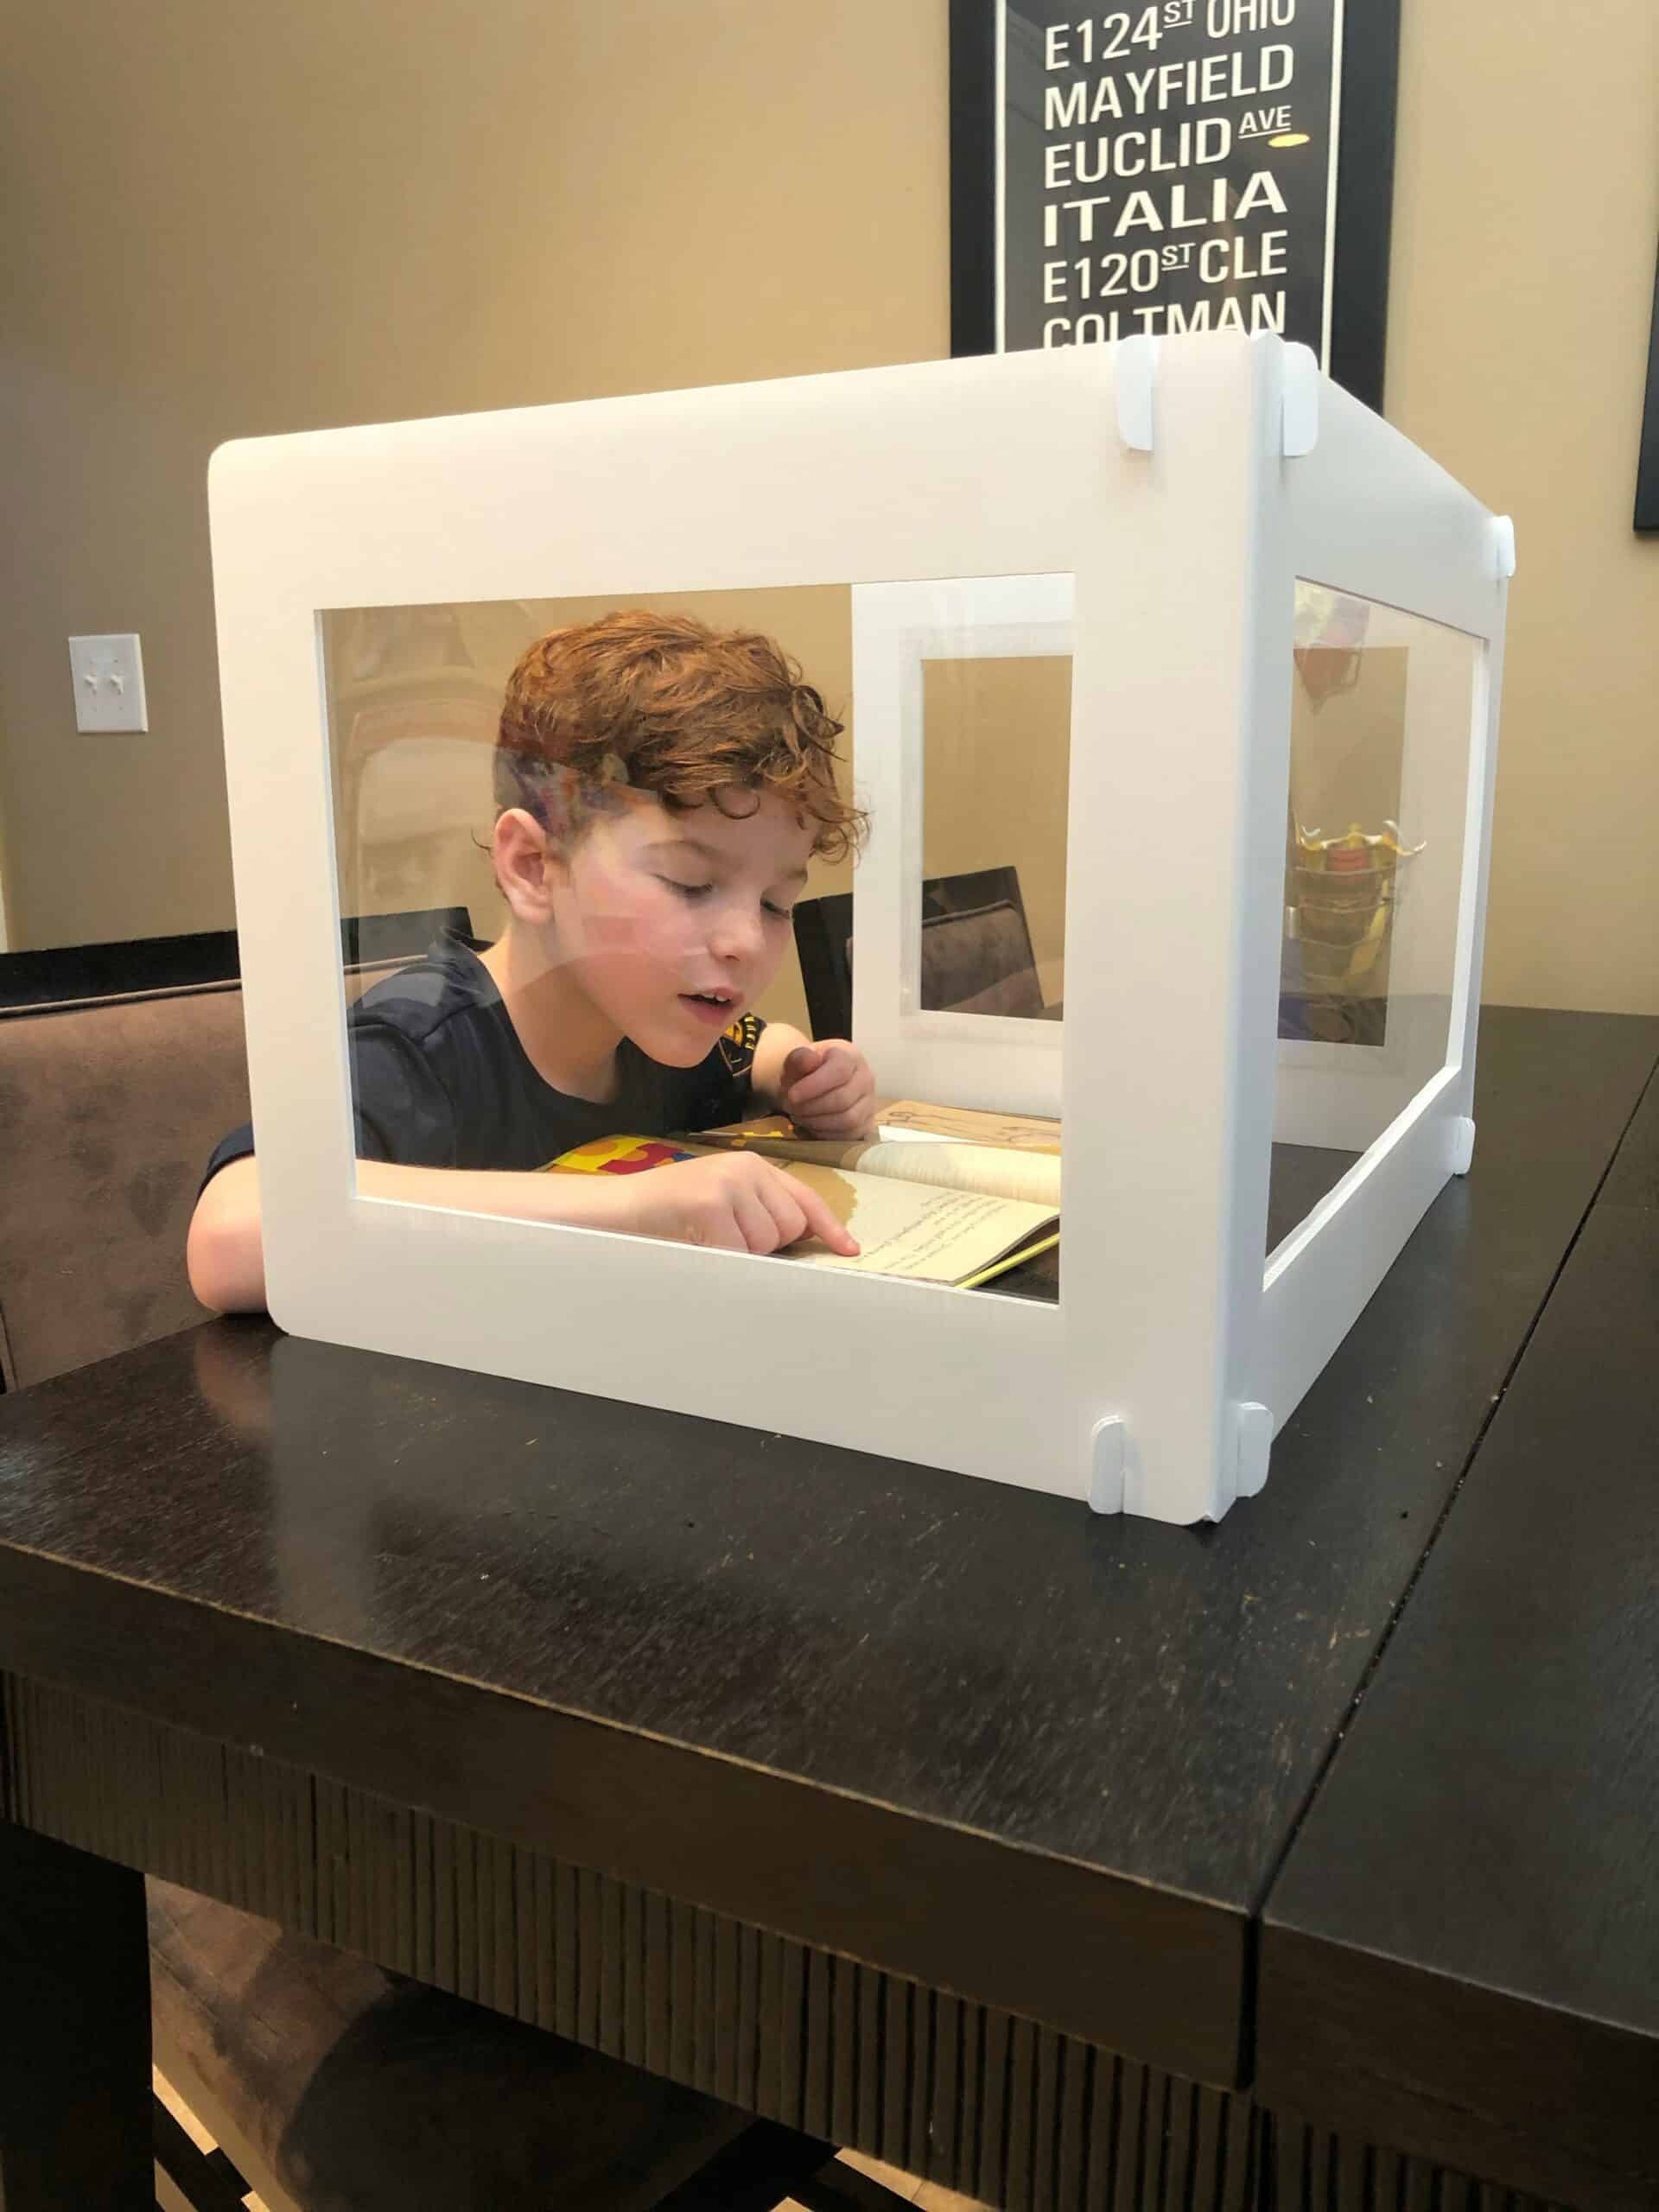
(977, 716)
(225, 219)
(1526, 216)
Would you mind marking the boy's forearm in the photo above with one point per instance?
(621, 1204)
(573, 1201)
(225, 1254)
(778, 1041)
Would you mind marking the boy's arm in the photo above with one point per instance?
(826, 1089)
(225, 1252)
(778, 1041)
(736, 1203)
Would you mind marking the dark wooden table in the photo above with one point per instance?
(1462, 1951)
(1042, 1853)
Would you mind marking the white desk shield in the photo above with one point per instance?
(1263, 591)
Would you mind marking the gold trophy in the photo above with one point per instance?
(1341, 896)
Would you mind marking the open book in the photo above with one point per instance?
(922, 1204)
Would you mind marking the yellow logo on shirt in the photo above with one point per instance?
(737, 1044)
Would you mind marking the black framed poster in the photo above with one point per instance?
(1176, 165)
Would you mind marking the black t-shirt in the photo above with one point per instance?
(440, 1079)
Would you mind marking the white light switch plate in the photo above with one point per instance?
(109, 677)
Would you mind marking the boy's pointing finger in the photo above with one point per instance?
(821, 1220)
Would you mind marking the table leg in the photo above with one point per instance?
(74, 2031)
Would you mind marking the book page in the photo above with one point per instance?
(930, 1235)
(995, 1172)
(940, 1230)
(1019, 1132)
(1029, 1176)
(1032, 1176)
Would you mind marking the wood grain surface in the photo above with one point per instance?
(1463, 1945)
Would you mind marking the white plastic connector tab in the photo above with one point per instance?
(1134, 380)
(1109, 1452)
(1463, 1145)
(1300, 432)
(1503, 545)
(1253, 1427)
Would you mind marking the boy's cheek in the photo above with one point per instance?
(620, 932)
(613, 933)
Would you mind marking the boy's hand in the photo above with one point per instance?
(828, 1090)
(737, 1203)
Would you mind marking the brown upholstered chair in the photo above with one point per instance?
(332, 2085)
(109, 1111)
(121, 1066)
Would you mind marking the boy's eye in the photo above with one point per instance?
(693, 893)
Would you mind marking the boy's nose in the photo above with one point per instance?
(735, 937)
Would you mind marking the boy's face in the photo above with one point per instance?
(672, 924)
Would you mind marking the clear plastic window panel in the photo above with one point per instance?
(991, 923)
(617, 928)
(1383, 724)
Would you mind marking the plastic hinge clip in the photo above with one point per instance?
(1108, 1463)
(1300, 420)
(1253, 1429)
(1135, 379)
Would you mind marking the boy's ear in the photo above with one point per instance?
(526, 867)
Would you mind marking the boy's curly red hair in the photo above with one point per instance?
(665, 704)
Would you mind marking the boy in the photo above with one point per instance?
(659, 789)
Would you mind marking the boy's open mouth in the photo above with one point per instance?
(717, 1007)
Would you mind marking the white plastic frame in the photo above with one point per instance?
(972, 1059)
(1158, 1380)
